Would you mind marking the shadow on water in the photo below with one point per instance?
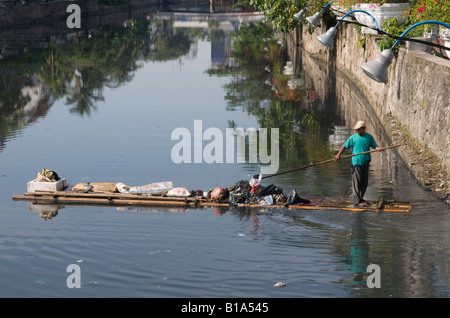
(314, 107)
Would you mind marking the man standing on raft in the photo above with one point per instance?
(359, 142)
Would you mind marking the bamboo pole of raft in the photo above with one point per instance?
(108, 195)
(328, 161)
(161, 201)
(49, 199)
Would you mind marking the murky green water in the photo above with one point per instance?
(102, 107)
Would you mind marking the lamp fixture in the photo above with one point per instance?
(299, 15)
(327, 38)
(314, 19)
(378, 68)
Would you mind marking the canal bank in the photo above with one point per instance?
(413, 107)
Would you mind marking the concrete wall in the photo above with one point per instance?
(417, 95)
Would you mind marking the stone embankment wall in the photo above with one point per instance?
(414, 106)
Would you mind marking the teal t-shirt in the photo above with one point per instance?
(360, 144)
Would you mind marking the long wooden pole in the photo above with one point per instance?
(327, 161)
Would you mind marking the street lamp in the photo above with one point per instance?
(314, 19)
(378, 68)
(299, 15)
(327, 38)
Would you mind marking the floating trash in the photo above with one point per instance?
(44, 281)
(279, 284)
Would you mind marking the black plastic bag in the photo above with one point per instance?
(293, 198)
(242, 186)
(270, 190)
(236, 198)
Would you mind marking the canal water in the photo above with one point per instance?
(110, 105)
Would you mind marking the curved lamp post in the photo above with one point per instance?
(315, 17)
(378, 68)
(327, 38)
(299, 15)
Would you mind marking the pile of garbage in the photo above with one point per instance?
(252, 192)
(244, 192)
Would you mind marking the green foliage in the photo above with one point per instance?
(420, 11)
(317, 5)
(392, 27)
(361, 43)
(386, 43)
(424, 10)
(348, 4)
(280, 12)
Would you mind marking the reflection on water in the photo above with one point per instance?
(77, 67)
(117, 93)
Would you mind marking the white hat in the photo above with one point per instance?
(359, 124)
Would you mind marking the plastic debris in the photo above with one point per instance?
(178, 192)
(269, 199)
(279, 284)
(255, 181)
(219, 193)
(152, 188)
(44, 281)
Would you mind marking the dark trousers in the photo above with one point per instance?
(360, 180)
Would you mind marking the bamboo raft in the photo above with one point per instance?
(126, 199)
(108, 194)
